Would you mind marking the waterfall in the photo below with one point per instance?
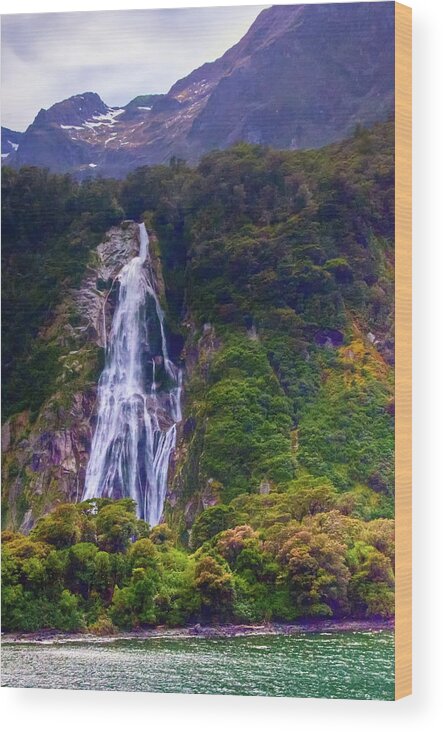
(136, 424)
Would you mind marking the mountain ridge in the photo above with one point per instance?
(301, 77)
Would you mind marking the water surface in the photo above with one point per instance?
(353, 665)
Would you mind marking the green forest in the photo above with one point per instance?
(287, 556)
(278, 269)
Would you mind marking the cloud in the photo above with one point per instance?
(48, 57)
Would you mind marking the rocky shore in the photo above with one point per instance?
(210, 631)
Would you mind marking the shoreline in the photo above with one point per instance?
(206, 632)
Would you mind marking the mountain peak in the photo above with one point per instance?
(74, 110)
(302, 76)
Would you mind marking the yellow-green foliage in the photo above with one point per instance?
(286, 556)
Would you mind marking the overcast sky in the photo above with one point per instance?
(118, 54)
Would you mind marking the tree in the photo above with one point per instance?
(69, 616)
(161, 535)
(102, 579)
(316, 570)
(214, 583)
(134, 605)
(311, 496)
(81, 569)
(371, 589)
(210, 522)
(62, 528)
(116, 525)
(143, 553)
(232, 542)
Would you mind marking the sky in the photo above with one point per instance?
(47, 57)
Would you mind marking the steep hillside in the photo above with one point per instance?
(303, 76)
(276, 273)
(278, 270)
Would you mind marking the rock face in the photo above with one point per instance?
(303, 76)
(45, 462)
(94, 299)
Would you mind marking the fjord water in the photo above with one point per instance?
(136, 423)
(349, 665)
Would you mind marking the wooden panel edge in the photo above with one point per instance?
(403, 350)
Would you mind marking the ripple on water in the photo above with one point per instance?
(355, 665)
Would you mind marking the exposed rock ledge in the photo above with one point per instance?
(93, 300)
(348, 625)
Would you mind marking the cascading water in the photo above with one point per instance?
(136, 425)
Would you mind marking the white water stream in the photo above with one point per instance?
(136, 429)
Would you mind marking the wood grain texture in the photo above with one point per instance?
(403, 351)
